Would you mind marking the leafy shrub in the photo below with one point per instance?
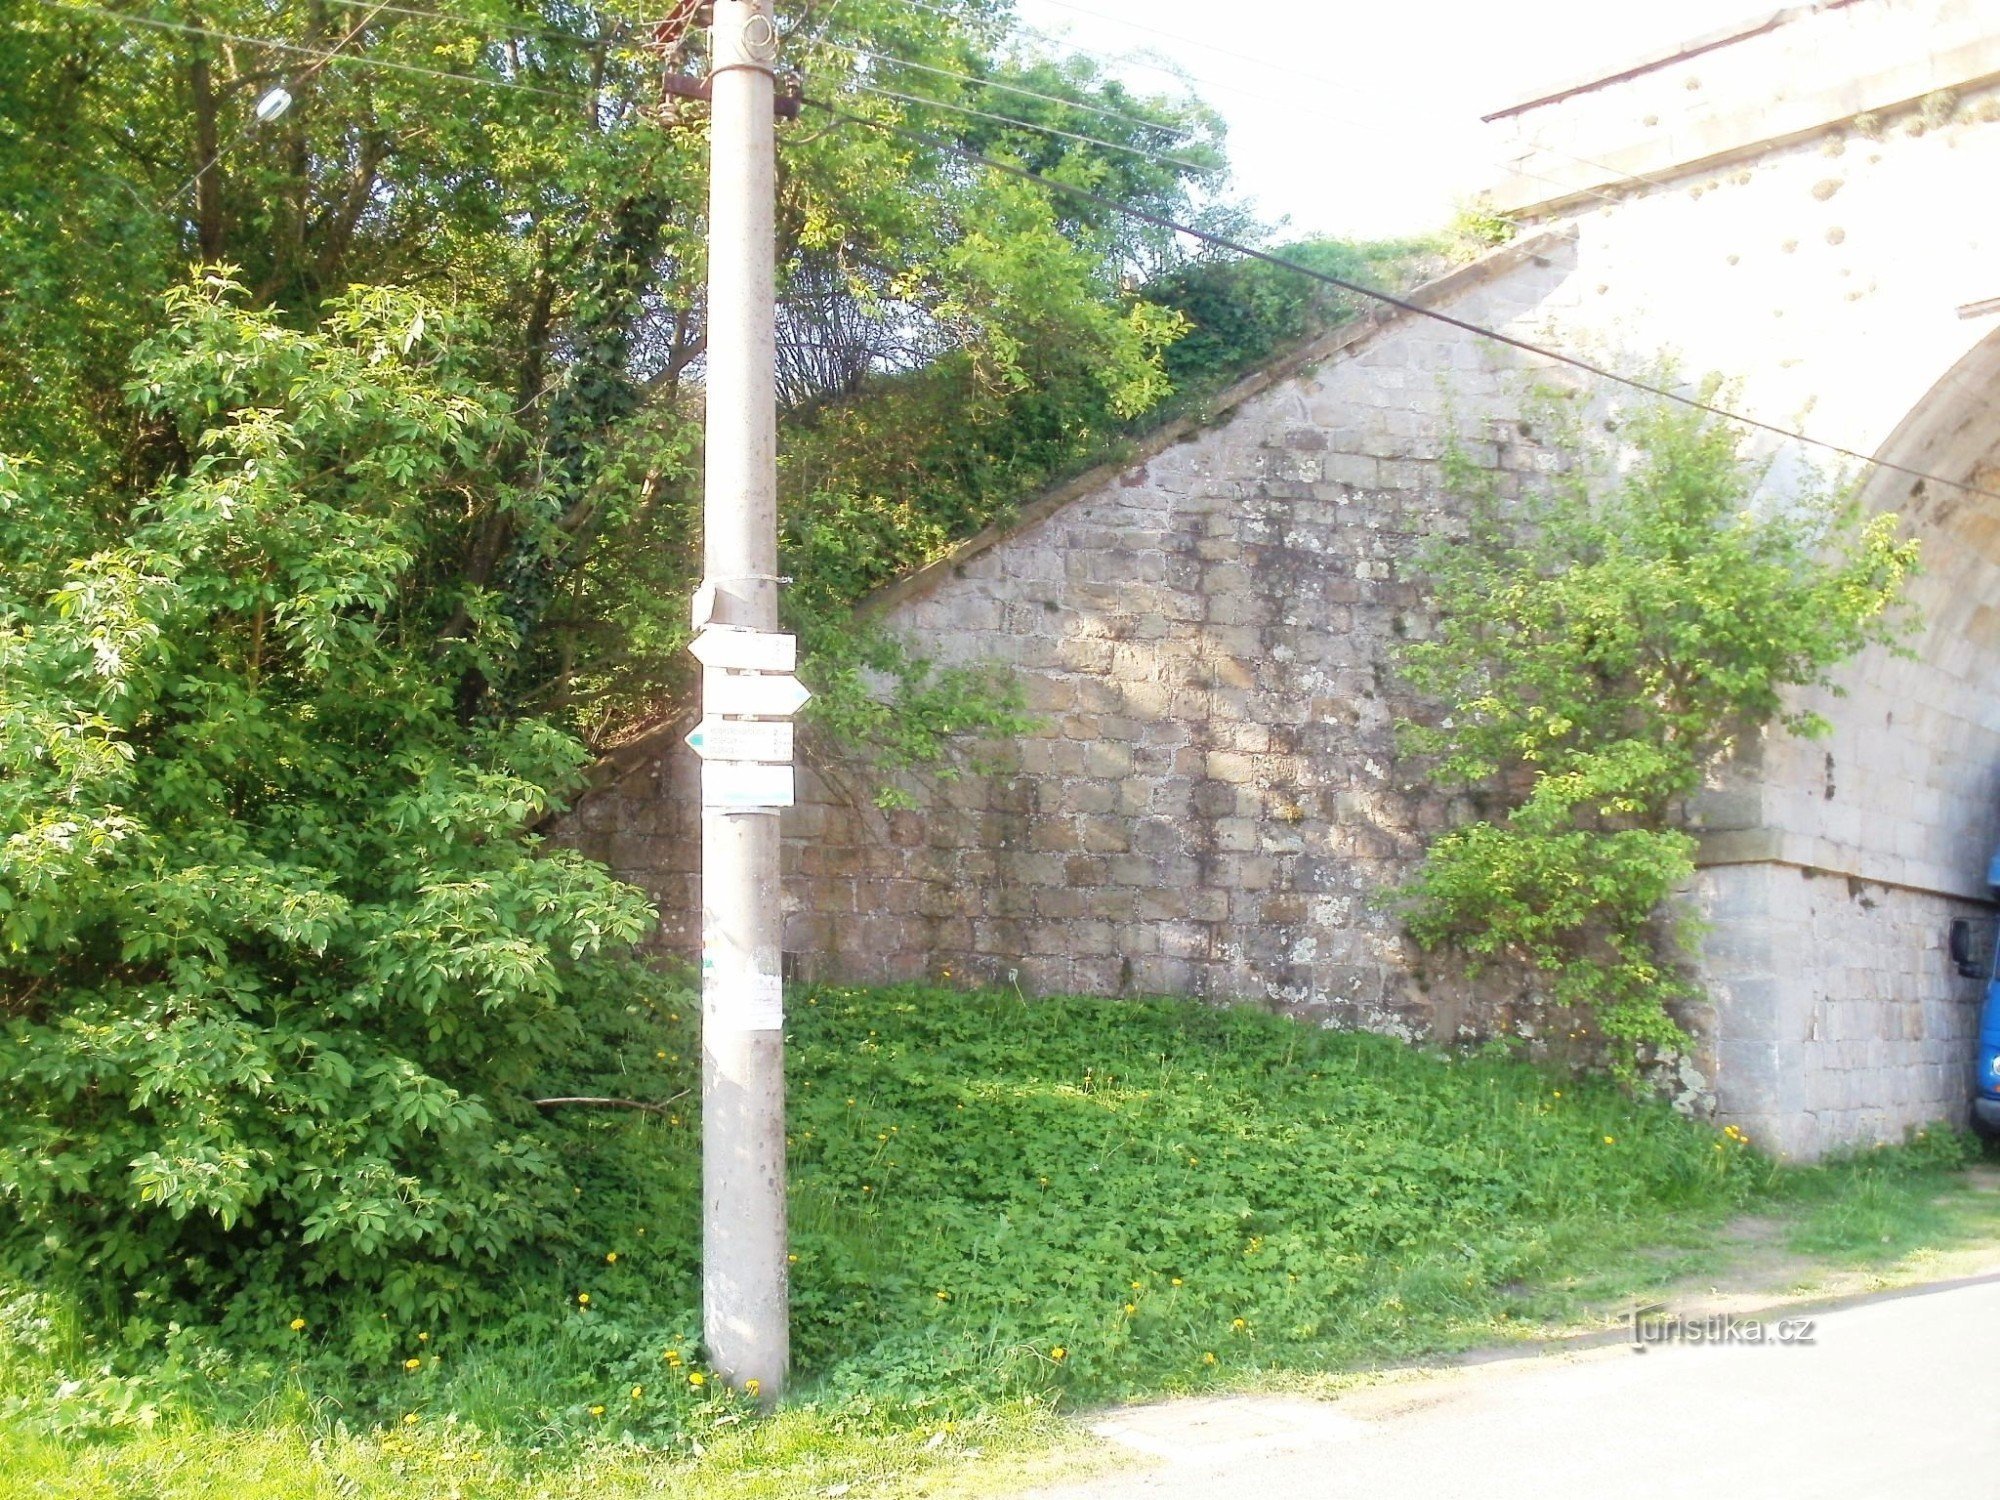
(282, 961)
(1603, 645)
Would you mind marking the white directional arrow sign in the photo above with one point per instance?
(746, 650)
(747, 695)
(742, 739)
(731, 783)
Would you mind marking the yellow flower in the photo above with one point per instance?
(297, 1324)
(850, 1101)
(791, 1260)
(866, 1189)
(1058, 1353)
(1192, 1160)
(1611, 1140)
(409, 1419)
(1238, 1324)
(597, 1411)
(423, 1338)
(611, 1258)
(673, 1017)
(413, 1364)
(672, 1356)
(753, 1386)
(1131, 1308)
(1208, 1358)
(697, 1379)
(944, 1296)
(1559, 1093)
(638, 1391)
(1138, 1286)
(1177, 1281)
(583, 1299)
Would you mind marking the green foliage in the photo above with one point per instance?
(1242, 312)
(1350, 1199)
(542, 193)
(1602, 646)
(280, 961)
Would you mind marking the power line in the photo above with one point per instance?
(991, 83)
(251, 124)
(1186, 75)
(1324, 82)
(1068, 135)
(1402, 304)
(476, 24)
(300, 50)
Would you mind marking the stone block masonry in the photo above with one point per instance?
(1212, 804)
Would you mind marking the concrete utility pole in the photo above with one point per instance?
(746, 770)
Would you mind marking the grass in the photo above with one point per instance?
(1001, 1210)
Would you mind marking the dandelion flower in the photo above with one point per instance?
(423, 1338)
(638, 1391)
(597, 1411)
(413, 1364)
(409, 1419)
(1208, 1358)
(583, 1299)
(672, 1356)
(1138, 1286)
(1238, 1324)
(944, 1296)
(697, 1379)
(1131, 1308)
(297, 1324)
(753, 1386)
(1177, 1281)
(1059, 1354)
(611, 1258)
(1611, 1140)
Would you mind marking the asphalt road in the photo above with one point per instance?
(1895, 1399)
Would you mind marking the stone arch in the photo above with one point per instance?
(1838, 1017)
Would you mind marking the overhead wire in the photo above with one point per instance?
(1132, 211)
(1188, 77)
(1069, 135)
(127, 18)
(990, 83)
(1390, 299)
(250, 125)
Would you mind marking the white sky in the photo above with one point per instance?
(1366, 121)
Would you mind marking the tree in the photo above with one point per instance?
(1600, 649)
(518, 165)
(279, 958)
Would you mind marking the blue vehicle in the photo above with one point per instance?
(1986, 1076)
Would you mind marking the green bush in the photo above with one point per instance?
(1603, 644)
(282, 962)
